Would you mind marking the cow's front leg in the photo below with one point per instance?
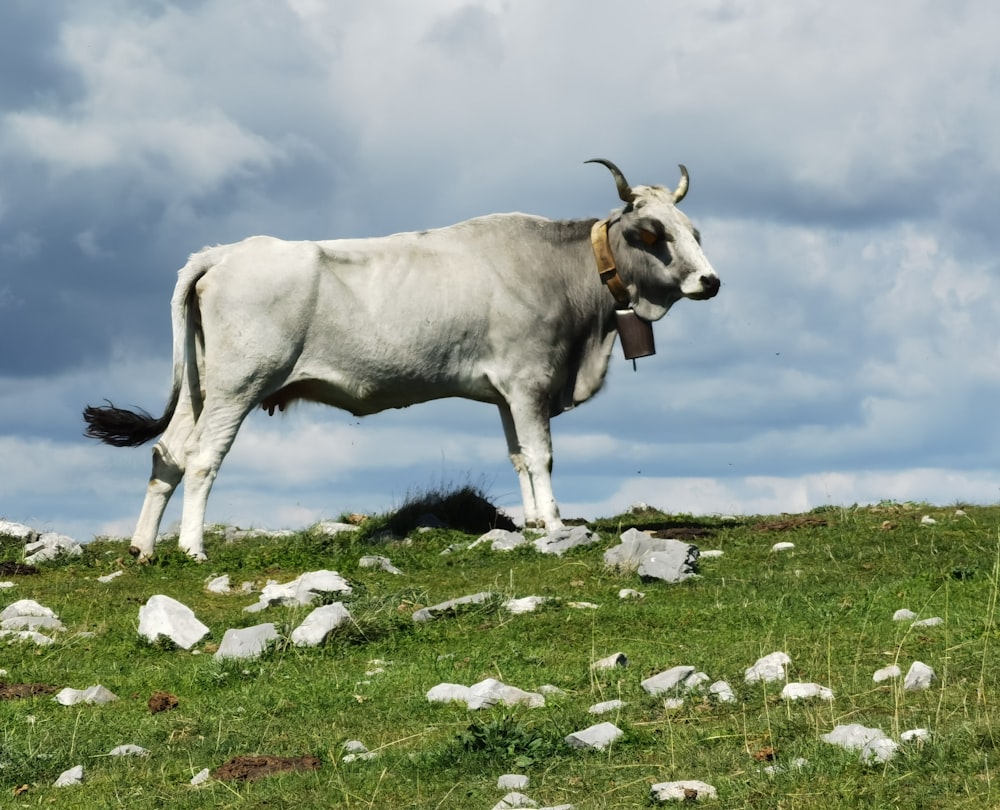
(533, 440)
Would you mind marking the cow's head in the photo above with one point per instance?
(657, 247)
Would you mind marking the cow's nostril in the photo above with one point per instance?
(710, 284)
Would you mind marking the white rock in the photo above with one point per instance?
(630, 593)
(500, 540)
(491, 691)
(484, 694)
(606, 706)
(678, 791)
(723, 692)
(960, 513)
(918, 677)
(92, 694)
(302, 590)
(927, 520)
(513, 781)
(526, 604)
(550, 689)
(50, 546)
(666, 681)
(16, 530)
(26, 607)
(673, 703)
(853, 736)
(246, 642)
(165, 616)
(201, 777)
(711, 552)
(879, 750)
(128, 750)
(559, 541)
(769, 668)
(513, 800)
(332, 527)
(378, 561)
(782, 546)
(108, 577)
(428, 613)
(618, 659)
(582, 605)
(448, 693)
(319, 624)
(31, 623)
(357, 751)
(26, 635)
(914, 734)
(695, 680)
(652, 558)
(219, 585)
(596, 737)
(5, 585)
(933, 621)
(903, 615)
(803, 691)
(886, 673)
(74, 776)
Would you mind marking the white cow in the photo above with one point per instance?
(508, 309)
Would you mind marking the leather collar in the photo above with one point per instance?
(606, 267)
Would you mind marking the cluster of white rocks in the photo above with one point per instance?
(873, 744)
(164, 617)
(74, 776)
(652, 558)
(25, 619)
(40, 546)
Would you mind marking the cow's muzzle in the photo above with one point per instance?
(709, 288)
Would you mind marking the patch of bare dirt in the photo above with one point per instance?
(681, 532)
(13, 569)
(13, 691)
(788, 525)
(161, 702)
(247, 769)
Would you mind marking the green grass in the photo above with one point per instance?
(828, 603)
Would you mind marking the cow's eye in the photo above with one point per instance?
(653, 237)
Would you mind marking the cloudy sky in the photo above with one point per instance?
(845, 176)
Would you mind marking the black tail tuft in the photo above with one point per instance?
(119, 427)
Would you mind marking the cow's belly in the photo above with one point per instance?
(366, 397)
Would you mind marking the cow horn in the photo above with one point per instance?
(624, 189)
(682, 186)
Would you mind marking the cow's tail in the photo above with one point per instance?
(124, 428)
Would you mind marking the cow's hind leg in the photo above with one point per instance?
(168, 469)
(529, 442)
(212, 437)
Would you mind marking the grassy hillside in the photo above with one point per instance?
(828, 603)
